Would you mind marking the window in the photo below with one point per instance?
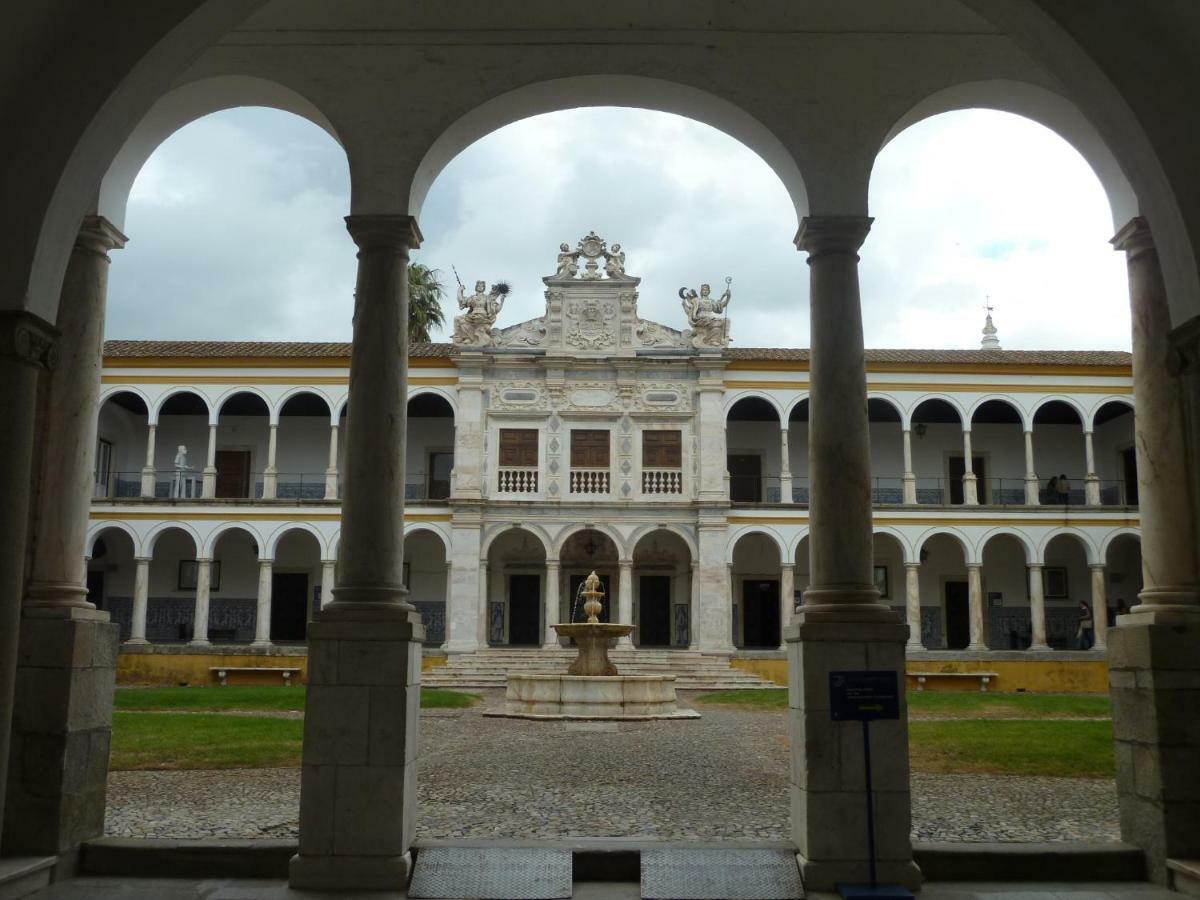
(440, 464)
(589, 449)
(662, 450)
(519, 447)
(104, 450)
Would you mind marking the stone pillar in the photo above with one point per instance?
(481, 618)
(978, 607)
(463, 606)
(331, 472)
(712, 605)
(358, 775)
(328, 580)
(141, 597)
(787, 599)
(262, 614)
(785, 470)
(553, 616)
(693, 605)
(148, 470)
(209, 486)
(270, 473)
(625, 599)
(710, 428)
(912, 604)
(1100, 606)
(842, 624)
(910, 477)
(1037, 608)
(469, 463)
(200, 617)
(1032, 491)
(970, 482)
(1091, 481)
(26, 351)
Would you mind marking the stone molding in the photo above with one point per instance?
(1135, 238)
(28, 339)
(824, 235)
(98, 235)
(375, 232)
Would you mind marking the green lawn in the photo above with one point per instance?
(265, 698)
(1047, 747)
(203, 741)
(944, 704)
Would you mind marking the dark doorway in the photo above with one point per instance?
(1129, 470)
(958, 615)
(289, 606)
(440, 464)
(95, 589)
(524, 600)
(654, 611)
(233, 473)
(760, 614)
(745, 477)
(957, 470)
(606, 600)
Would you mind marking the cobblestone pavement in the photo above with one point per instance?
(724, 776)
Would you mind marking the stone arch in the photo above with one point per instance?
(283, 530)
(793, 405)
(98, 528)
(770, 533)
(340, 408)
(952, 402)
(414, 527)
(425, 390)
(1089, 423)
(276, 409)
(735, 399)
(156, 409)
(1108, 540)
(794, 546)
(1031, 550)
(560, 541)
(890, 401)
(118, 389)
(1060, 398)
(1089, 548)
(180, 107)
(489, 537)
(233, 392)
(906, 550)
(970, 557)
(682, 533)
(608, 90)
(214, 536)
(1025, 417)
(162, 528)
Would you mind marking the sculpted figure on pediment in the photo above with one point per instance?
(710, 327)
(474, 327)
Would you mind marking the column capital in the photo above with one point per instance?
(98, 235)
(823, 235)
(143, 559)
(266, 562)
(372, 232)
(787, 565)
(1135, 238)
(1033, 565)
(203, 560)
(28, 339)
(974, 565)
(552, 563)
(625, 563)
(912, 565)
(1097, 566)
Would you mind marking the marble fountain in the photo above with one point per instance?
(591, 688)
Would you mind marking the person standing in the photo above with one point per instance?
(1087, 632)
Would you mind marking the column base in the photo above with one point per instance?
(910, 489)
(136, 642)
(261, 644)
(349, 873)
(1033, 491)
(1091, 490)
(1039, 647)
(825, 875)
(461, 647)
(978, 648)
(202, 643)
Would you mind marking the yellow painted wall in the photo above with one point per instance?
(194, 668)
(1034, 676)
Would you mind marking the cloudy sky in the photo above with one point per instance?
(236, 230)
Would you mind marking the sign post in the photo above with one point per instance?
(866, 697)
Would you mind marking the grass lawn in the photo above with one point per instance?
(1063, 748)
(265, 698)
(941, 705)
(203, 741)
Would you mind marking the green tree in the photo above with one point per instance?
(425, 293)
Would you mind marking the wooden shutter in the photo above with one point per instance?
(589, 449)
(662, 450)
(519, 447)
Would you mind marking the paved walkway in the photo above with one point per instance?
(724, 776)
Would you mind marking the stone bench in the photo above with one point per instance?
(223, 671)
(984, 677)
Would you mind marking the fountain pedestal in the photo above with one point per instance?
(592, 640)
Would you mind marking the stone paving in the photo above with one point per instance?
(724, 776)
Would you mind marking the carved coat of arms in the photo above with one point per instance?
(589, 324)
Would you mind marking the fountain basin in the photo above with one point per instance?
(592, 640)
(598, 697)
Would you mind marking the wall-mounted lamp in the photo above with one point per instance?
(920, 428)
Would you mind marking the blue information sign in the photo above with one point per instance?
(864, 696)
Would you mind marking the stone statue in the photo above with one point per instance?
(568, 265)
(710, 328)
(614, 262)
(180, 486)
(181, 460)
(474, 327)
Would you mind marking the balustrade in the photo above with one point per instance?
(517, 480)
(662, 481)
(589, 481)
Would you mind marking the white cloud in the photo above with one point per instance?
(236, 229)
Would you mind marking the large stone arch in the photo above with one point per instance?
(1009, 401)
(414, 527)
(1108, 539)
(210, 541)
(951, 401)
(162, 528)
(490, 535)
(98, 528)
(448, 396)
(276, 409)
(906, 550)
(734, 399)
(560, 540)
(156, 409)
(970, 556)
(1089, 424)
(283, 530)
(1031, 549)
(679, 531)
(1064, 399)
(608, 90)
(1089, 546)
(770, 534)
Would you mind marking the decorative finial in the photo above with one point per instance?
(990, 341)
(593, 592)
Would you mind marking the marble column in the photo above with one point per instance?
(209, 486)
(331, 472)
(27, 350)
(842, 624)
(148, 478)
(200, 617)
(694, 604)
(713, 486)
(481, 618)
(270, 473)
(1037, 608)
(910, 477)
(970, 481)
(1100, 606)
(1091, 481)
(625, 599)
(912, 604)
(358, 772)
(1032, 490)
(262, 613)
(978, 607)
(787, 602)
(712, 606)
(785, 470)
(141, 599)
(328, 580)
(552, 614)
(463, 617)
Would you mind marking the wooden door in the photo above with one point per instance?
(745, 477)
(233, 473)
(957, 470)
(958, 615)
(589, 448)
(654, 611)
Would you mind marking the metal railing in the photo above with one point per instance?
(418, 487)
(517, 480)
(589, 481)
(293, 485)
(662, 481)
(118, 485)
(887, 489)
(1053, 491)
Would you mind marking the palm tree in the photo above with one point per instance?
(425, 293)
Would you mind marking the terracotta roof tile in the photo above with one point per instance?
(232, 349)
